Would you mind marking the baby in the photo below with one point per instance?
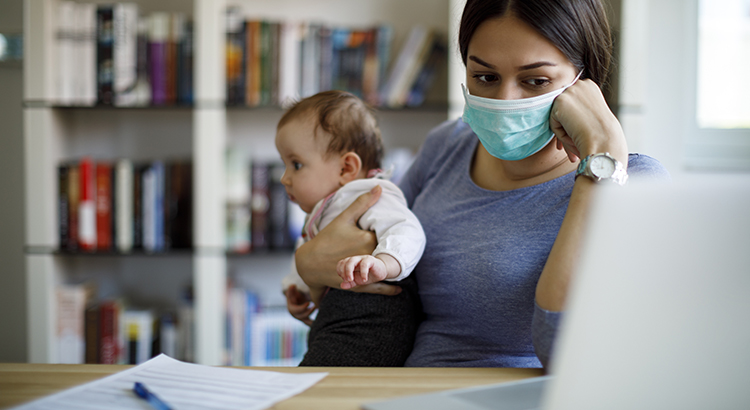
(331, 148)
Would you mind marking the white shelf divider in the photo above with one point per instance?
(209, 135)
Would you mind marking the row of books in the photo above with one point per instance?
(111, 332)
(109, 55)
(122, 206)
(259, 214)
(274, 63)
(261, 337)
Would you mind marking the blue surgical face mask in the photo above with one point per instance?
(511, 129)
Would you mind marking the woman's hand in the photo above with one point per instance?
(298, 304)
(317, 259)
(584, 124)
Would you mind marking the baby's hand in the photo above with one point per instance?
(299, 305)
(361, 270)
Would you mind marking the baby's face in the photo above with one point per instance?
(309, 175)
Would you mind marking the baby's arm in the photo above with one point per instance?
(365, 269)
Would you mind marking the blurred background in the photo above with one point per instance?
(677, 87)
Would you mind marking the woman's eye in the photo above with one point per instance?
(485, 78)
(538, 82)
(296, 165)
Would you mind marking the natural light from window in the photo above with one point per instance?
(723, 99)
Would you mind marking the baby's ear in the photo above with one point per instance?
(351, 165)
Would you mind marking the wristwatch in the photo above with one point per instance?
(601, 167)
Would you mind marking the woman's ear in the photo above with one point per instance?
(351, 165)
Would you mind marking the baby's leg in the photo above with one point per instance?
(362, 329)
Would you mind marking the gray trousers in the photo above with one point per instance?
(362, 329)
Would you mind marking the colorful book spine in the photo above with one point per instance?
(185, 66)
(179, 200)
(104, 55)
(124, 205)
(63, 206)
(253, 65)
(278, 214)
(260, 205)
(109, 332)
(125, 53)
(87, 207)
(103, 206)
(85, 57)
(91, 323)
(234, 56)
(70, 310)
(157, 47)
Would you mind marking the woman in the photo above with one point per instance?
(502, 201)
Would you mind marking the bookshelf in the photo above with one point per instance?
(201, 132)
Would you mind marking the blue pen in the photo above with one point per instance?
(155, 402)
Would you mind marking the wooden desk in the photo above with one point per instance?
(343, 388)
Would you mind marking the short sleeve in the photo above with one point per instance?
(544, 326)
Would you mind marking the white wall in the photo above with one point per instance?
(658, 88)
(12, 277)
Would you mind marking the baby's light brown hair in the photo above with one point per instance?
(349, 121)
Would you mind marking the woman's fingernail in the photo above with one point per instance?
(375, 189)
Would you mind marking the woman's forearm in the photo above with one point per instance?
(552, 288)
(316, 260)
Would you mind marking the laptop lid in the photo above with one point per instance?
(659, 316)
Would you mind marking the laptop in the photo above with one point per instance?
(659, 312)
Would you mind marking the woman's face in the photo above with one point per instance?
(508, 60)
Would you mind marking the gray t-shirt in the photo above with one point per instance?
(485, 252)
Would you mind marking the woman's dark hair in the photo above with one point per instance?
(578, 28)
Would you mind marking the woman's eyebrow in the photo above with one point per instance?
(536, 65)
(481, 62)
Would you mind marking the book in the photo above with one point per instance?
(148, 204)
(66, 43)
(278, 214)
(179, 205)
(235, 54)
(63, 206)
(86, 206)
(85, 55)
(185, 65)
(124, 205)
(325, 58)
(103, 206)
(289, 63)
(139, 326)
(70, 310)
(157, 56)
(253, 62)
(74, 196)
(403, 73)
(125, 53)
(91, 330)
(427, 73)
(259, 206)
(236, 319)
(168, 334)
(176, 31)
(109, 332)
(186, 328)
(138, 171)
(143, 82)
(310, 68)
(104, 54)
(237, 174)
(371, 68)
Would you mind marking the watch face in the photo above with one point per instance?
(602, 166)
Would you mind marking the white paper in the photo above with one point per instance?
(183, 386)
